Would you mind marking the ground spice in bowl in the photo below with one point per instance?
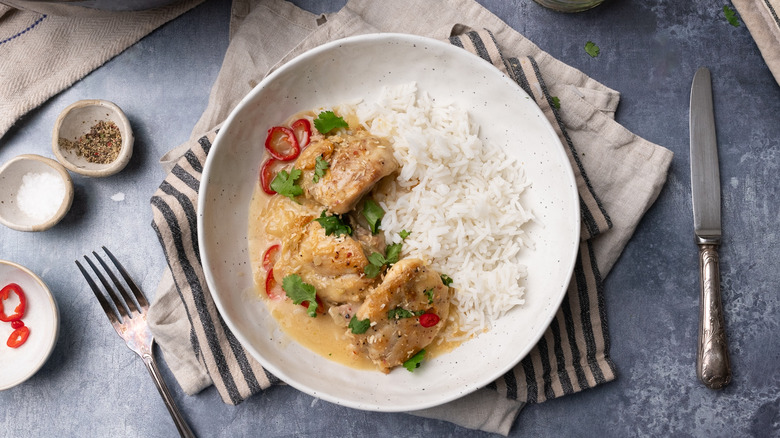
(100, 145)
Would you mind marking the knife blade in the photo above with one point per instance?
(712, 364)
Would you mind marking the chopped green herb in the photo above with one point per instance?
(446, 280)
(284, 183)
(731, 16)
(429, 294)
(592, 49)
(373, 214)
(404, 234)
(298, 291)
(357, 326)
(414, 362)
(320, 166)
(393, 253)
(400, 312)
(556, 103)
(333, 225)
(372, 271)
(377, 260)
(327, 121)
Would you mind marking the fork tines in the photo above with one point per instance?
(123, 302)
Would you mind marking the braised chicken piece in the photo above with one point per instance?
(361, 231)
(407, 310)
(332, 264)
(283, 217)
(356, 162)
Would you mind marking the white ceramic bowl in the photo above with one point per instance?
(76, 120)
(357, 68)
(41, 316)
(11, 179)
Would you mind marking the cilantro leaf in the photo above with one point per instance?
(298, 291)
(372, 271)
(392, 253)
(414, 362)
(327, 121)
(429, 294)
(400, 312)
(446, 280)
(320, 167)
(284, 183)
(333, 225)
(592, 49)
(404, 234)
(731, 16)
(556, 103)
(357, 326)
(377, 260)
(373, 214)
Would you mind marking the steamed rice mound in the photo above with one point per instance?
(459, 197)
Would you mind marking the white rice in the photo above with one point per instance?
(460, 199)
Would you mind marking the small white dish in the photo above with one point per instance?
(11, 179)
(41, 316)
(77, 120)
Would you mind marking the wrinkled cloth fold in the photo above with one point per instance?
(45, 48)
(762, 18)
(619, 175)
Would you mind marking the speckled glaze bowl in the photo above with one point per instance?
(76, 120)
(357, 68)
(11, 174)
(41, 316)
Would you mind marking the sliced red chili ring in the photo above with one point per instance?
(282, 144)
(17, 324)
(270, 256)
(267, 176)
(272, 288)
(18, 337)
(302, 130)
(429, 319)
(19, 310)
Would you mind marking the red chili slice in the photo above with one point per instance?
(267, 175)
(18, 337)
(17, 324)
(429, 319)
(282, 144)
(302, 130)
(272, 288)
(270, 256)
(19, 310)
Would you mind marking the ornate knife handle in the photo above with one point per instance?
(712, 363)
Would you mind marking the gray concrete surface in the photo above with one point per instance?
(93, 386)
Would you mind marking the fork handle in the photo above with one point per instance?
(178, 419)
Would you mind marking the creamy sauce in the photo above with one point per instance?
(320, 334)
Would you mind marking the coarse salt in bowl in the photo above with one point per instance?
(35, 193)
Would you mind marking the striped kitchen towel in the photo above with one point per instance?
(572, 355)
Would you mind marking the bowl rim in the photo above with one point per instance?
(56, 315)
(66, 202)
(102, 170)
(556, 300)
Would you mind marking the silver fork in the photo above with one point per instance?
(131, 325)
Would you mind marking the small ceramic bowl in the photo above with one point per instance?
(41, 316)
(77, 120)
(12, 212)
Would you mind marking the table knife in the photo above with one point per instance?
(712, 363)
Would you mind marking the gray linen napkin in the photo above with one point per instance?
(762, 18)
(45, 48)
(619, 176)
